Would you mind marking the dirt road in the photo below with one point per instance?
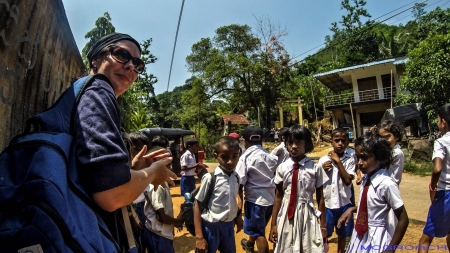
(414, 191)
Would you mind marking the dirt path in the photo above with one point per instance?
(414, 191)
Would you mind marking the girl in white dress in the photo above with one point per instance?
(295, 227)
(378, 195)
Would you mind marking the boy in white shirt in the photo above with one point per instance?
(281, 151)
(339, 166)
(189, 166)
(256, 169)
(214, 225)
(158, 230)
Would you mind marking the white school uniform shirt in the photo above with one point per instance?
(158, 199)
(382, 196)
(441, 150)
(335, 192)
(256, 169)
(188, 160)
(303, 231)
(281, 152)
(222, 204)
(395, 170)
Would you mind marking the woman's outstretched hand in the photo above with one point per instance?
(142, 160)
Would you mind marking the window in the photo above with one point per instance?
(386, 80)
(368, 89)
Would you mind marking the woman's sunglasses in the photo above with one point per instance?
(123, 56)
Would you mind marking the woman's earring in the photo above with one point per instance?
(95, 68)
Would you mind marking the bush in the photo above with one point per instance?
(419, 168)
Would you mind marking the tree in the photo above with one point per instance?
(167, 106)
(354, 40)
(427, 78)
(241, 68)
(103, 26)
(419, 11)
(433, 23)
(274, 63)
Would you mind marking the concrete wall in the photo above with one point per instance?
(39, 58)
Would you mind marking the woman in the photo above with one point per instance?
(101, 152)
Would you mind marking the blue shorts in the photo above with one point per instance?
(187, 184)
(256, 219)
(156, 243)
(219, 236)
(438, 220)
(333, 216)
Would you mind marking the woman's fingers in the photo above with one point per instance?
(154, 153)
(171, 177)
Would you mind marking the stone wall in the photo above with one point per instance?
(39, 58)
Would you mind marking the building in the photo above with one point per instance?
(368, 89)
(232, 122)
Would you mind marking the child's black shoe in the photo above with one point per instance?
(247, 246)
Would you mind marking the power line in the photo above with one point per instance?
(175, 44)
(363, 30)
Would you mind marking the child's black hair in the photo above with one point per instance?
(137, 136)
(284, 132)
(339, 130)
(372, 143)
(161, 141)
(301, 133)
(444, 112)
(191, 142)
(226, 141)
(391, 127)
(154, 148)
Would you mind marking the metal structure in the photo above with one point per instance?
(290, 102)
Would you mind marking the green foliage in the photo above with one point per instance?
(103, 26)
(427, 78)
(167, 107)
(236, 65)
(434, 23)
(419, 168)
(207, 140)
(140, 118)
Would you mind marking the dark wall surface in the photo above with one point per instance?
(39, 58)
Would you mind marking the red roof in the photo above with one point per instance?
(236, 119)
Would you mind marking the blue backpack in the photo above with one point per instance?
(43, 205)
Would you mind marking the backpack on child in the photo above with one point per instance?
(188, 206)
(43, 205)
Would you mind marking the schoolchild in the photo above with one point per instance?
(158, 231)
(138, 140)
(189, 166)
(281, 151)
(214, 225)
(392, 133)
(378, 195)
(295, 226)
(256, 169)
(438, 220)
(339, 166)
(160, 141)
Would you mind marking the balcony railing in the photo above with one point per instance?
(364, 96)
(340, 99)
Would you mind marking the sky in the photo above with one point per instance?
(307, 22)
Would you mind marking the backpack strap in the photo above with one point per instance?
(128, 229)
(56, 118)
(210, 190)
